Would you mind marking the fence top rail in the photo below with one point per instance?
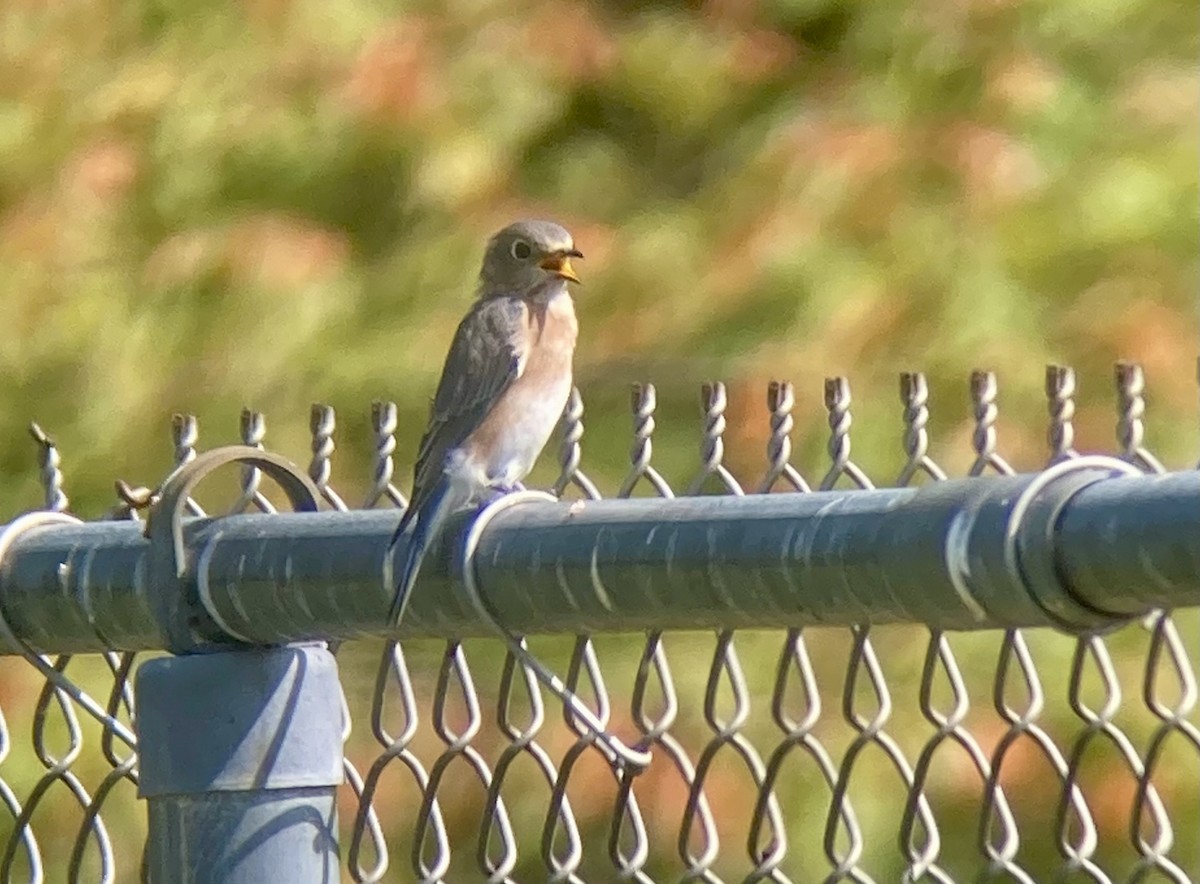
(1023, 550)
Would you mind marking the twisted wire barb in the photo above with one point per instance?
(837, 403)
(781, 398)
(570, 451)
(322, 422)
(383, 429)
(252, 428)
(984, 390)
(914, 393)
(1060, 396)
(1130, 382)
(185, 431)
(49, 462)
(643, 401)
(713, 402)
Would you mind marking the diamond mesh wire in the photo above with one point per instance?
(869, 754)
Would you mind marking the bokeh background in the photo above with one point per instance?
(212, 205)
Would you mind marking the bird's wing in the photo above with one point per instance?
(488, 353)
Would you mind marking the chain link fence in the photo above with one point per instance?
(873, 753)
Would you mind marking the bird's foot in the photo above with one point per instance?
(494, 493)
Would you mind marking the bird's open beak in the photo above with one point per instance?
(560, 264)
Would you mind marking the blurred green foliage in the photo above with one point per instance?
(210, 205)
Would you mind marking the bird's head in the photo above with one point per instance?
(528, 257)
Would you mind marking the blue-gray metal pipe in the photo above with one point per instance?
(240, 759)
(1080, 547)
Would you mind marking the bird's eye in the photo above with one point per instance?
(521, 250)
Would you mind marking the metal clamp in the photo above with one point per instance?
(1019, 524)
(179, 612)
(618, 754)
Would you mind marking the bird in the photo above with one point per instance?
(503, 388)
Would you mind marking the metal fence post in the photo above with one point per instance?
(241, 756)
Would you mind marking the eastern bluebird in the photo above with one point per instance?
(503, 388)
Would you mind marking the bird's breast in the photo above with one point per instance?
(512, 435)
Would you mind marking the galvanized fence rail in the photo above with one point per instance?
(988, 678)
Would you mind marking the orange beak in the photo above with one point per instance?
(559, 264)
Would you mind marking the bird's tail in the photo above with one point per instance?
(419, 524)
